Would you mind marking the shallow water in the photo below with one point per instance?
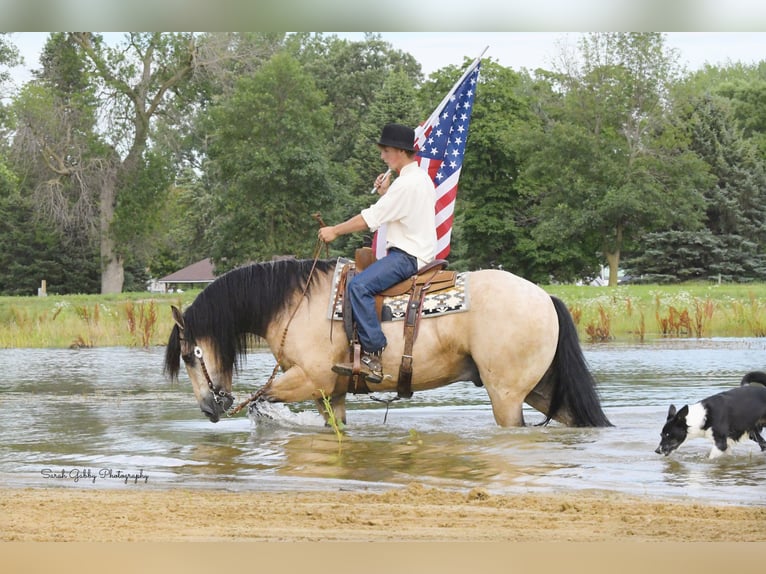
(106, 418)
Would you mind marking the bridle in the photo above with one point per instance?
(218, 395)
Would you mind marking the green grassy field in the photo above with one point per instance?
(57, 321)
(642, 312)
(624, 313)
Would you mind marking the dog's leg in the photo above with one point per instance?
(721, 444)
(756, 436)
(715, 452)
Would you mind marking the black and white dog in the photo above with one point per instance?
(727, 417)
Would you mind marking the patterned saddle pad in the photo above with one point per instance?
(454, 300)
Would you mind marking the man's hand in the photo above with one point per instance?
(328, 234)
(382, 182)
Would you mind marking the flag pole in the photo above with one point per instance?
(440, 107)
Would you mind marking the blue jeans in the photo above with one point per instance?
(395, 267)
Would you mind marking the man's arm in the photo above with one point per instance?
(332, 232)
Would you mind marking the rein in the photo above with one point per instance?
(256, 395)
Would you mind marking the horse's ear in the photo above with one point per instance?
(177, 317)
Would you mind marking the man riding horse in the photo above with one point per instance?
(407, 207)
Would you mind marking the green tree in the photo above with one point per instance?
(672, 256)
(268, 165)
(143, 86)
(607, 165)
(736, 199)
(352, 75)
(744, 86)
(31, 251)
(9, 58)
(735, 203)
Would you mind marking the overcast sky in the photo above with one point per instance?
(530, 50)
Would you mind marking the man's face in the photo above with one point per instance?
(394, 158)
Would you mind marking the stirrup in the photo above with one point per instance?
(370, 375)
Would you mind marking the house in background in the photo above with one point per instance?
(196, 275)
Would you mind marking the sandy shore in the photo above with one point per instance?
(414, 513)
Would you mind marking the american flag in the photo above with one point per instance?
(440, 142)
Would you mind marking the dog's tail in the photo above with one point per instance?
(753, 377)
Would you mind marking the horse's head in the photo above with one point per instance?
(210, 376)
(212, 335)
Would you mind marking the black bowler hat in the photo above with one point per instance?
(398, 136)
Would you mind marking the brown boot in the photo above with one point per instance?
(371, 367)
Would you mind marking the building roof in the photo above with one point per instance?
(200, 272)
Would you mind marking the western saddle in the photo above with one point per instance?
(431, 278)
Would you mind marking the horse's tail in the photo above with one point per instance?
(753, 377)
(575, 387)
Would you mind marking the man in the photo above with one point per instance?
(407, 206)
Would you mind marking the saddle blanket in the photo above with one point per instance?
(453, 300)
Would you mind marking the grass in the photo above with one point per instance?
(623, 313)
(640, 312)
(336, 425)
(126, 319)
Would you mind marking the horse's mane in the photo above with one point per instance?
(239, 304)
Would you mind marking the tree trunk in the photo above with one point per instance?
(612, 255)
(613, 259)
(112, 270)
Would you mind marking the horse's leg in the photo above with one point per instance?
(338, 406)
(512, 334)
(294, 386)
(506, 407)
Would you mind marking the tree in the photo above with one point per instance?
(9, 57)
(735, 203)
(736, 198)
(366, 85)
(672, 256)
(607, 165)
(352, 76)
(268, 165)
(744, 86)
(31, 251)
(123, 167)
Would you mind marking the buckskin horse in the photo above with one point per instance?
(515, 340)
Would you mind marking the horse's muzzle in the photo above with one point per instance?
(215, 406)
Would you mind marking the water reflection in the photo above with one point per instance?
(111, 408)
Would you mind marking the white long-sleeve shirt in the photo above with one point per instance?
(408, 210)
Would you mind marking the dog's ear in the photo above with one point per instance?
(683, 412)
(671, 412)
